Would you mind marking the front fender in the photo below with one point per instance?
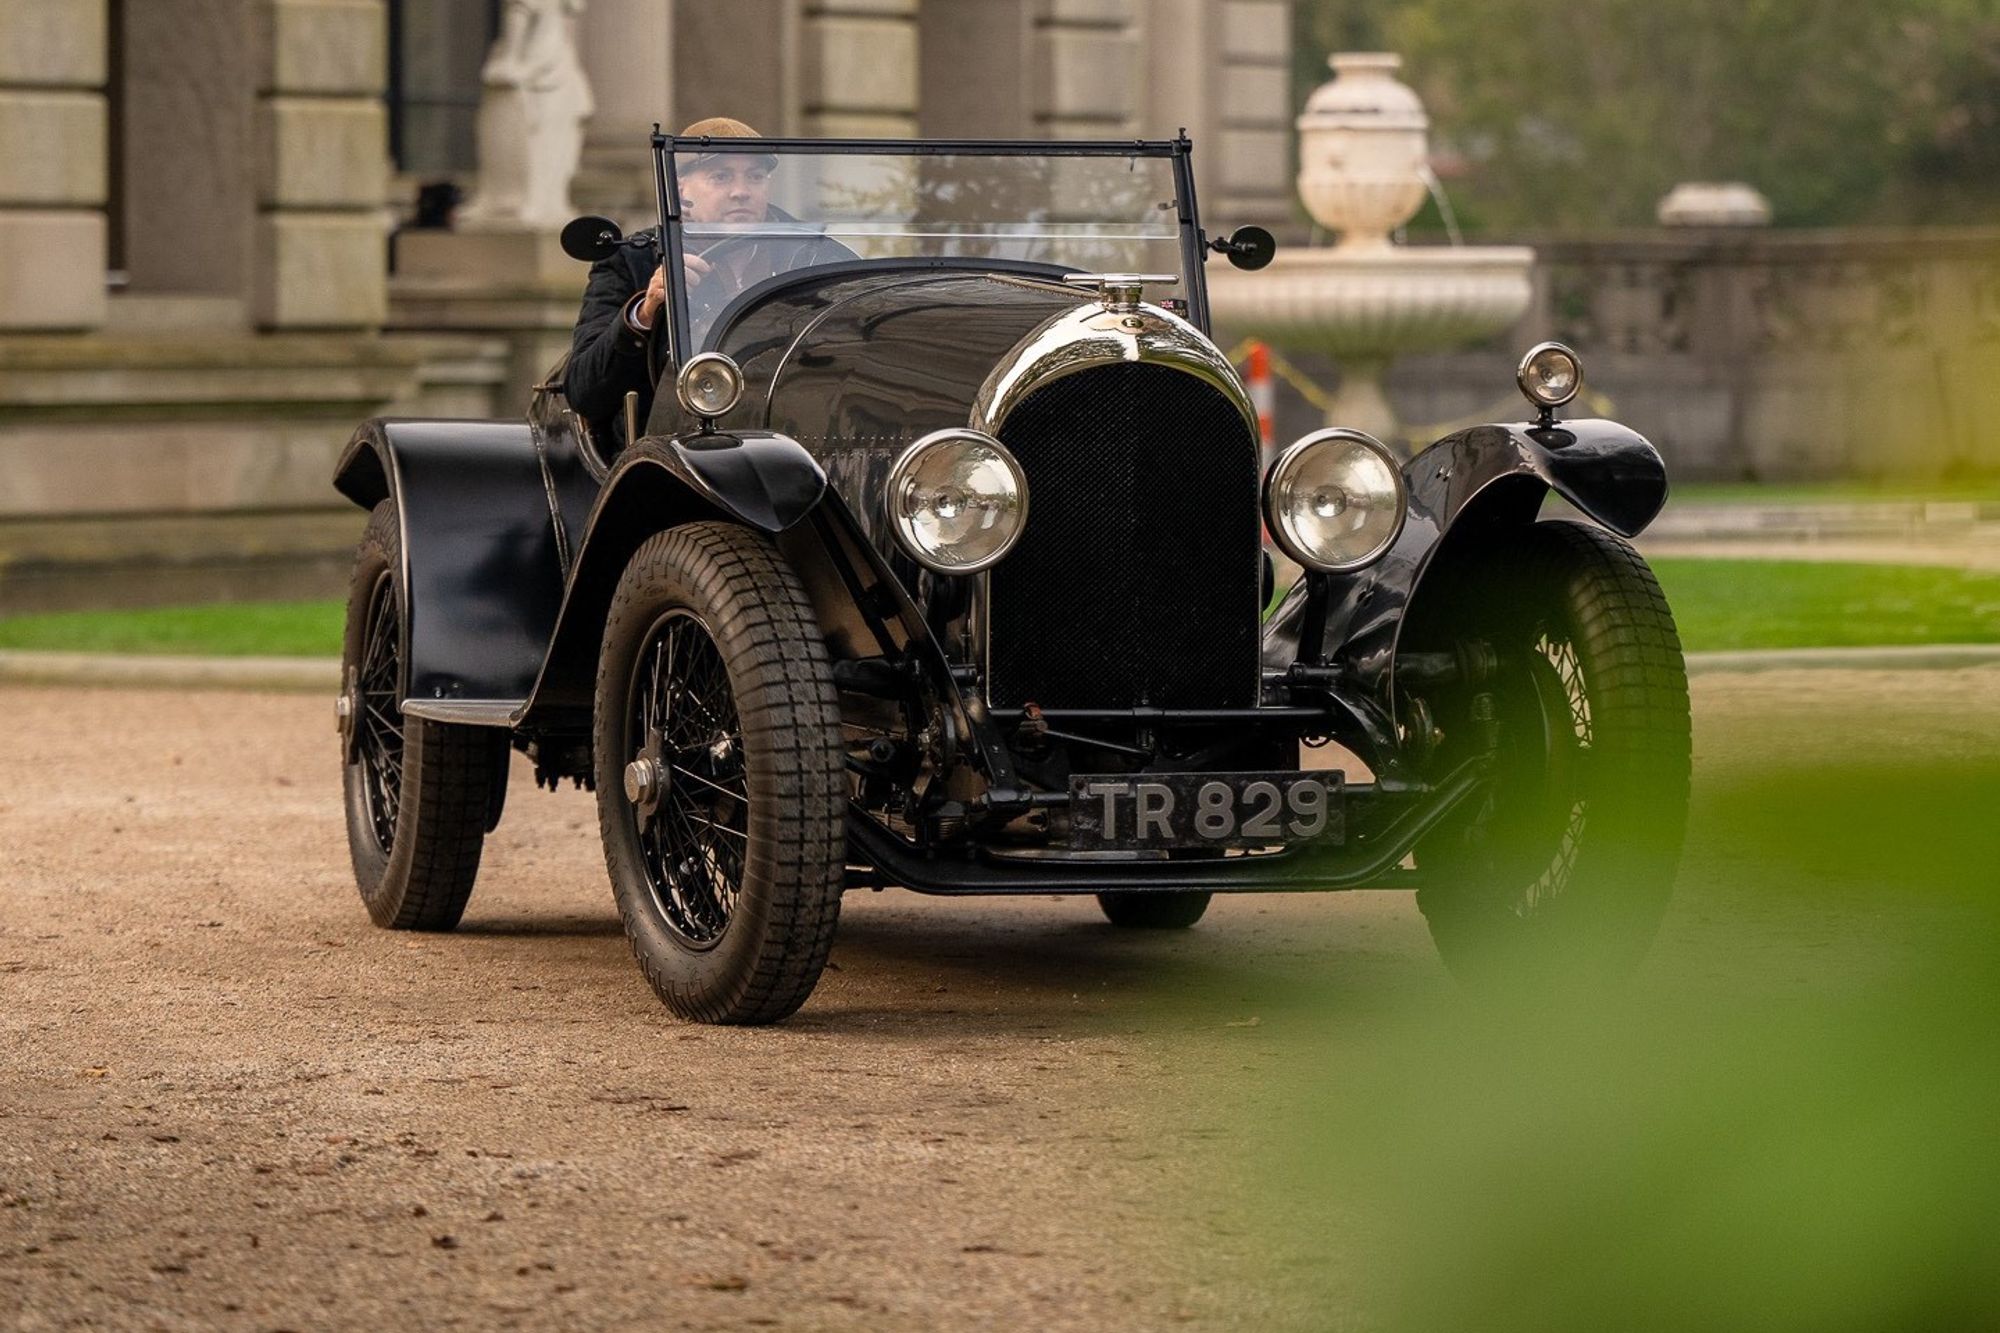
(1485, 477)
(761, 479)
(1608, 471)
(757, 477)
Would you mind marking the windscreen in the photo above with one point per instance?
(749, 215)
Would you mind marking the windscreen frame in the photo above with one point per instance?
(668, 147)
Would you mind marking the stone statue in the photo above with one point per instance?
(531, 117)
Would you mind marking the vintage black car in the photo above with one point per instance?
(938, 561)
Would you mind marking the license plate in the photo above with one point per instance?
(1121, 811)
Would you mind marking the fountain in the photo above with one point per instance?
(1364, 149)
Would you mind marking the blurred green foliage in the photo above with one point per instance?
(1579, 116)
(1785, 1122)
(1823, 1165)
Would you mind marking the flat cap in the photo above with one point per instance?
(721, 127)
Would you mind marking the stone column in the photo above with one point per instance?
(628, 54)
(858, 70)
(187, 188)
(1086, 76)
(738, 59)
(1250, 150)
(1182, 89)
(839, 68)
(1031, 69)
(973, 69)
(52, 164)
(322, 164)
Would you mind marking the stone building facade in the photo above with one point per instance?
(197, 199)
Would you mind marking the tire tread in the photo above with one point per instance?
(449, 774)
(1641, 739)
(785, 700)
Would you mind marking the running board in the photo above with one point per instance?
(466, 712)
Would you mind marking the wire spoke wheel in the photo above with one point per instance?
(420, 796)
(1556, 680)
(379, 720)
(694, 835)
(721, 787)
(1564, 860)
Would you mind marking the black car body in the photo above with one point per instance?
(1059, 720)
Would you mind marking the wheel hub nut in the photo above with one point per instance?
(643, 781)
(344, 711)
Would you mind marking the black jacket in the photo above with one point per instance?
(607, 358)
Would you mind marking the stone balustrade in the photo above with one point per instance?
(1765, 355)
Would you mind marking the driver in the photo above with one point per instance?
(626, 298)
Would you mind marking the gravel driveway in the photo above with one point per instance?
(227, 1102)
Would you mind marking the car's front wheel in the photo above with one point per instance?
(721, 786)
(1562, 864)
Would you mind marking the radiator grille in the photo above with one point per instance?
(1137, 580)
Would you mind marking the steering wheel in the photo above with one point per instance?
(723, 245)
(656, 362)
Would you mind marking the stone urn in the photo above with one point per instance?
(1364, 168)
(1712, 204)
(1364, 150)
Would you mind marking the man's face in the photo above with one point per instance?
(726, 189)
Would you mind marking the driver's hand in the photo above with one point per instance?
(697, 269)
(656, 296)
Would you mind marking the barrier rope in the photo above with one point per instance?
(1301, 383)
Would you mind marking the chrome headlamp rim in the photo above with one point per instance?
(1528, 390)
(907, 461)
(1289, 457)
(685, 378)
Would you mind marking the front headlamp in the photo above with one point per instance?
(709, 385)
(1550, 375)
(1334, 500)
(957, 501)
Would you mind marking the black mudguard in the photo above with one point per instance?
(761, 479)
(480, 560)
(768, 482)
(756, 477)
(1474, 482)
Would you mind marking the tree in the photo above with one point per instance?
(1579, 116)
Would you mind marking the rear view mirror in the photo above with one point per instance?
(1247, 247)
(591, 239)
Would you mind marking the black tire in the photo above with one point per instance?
(1562, 866)
(729, 880)
(1167, 910)
(419, 794)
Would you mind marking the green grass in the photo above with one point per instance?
(1720, 605)
(247, 629)
(1959, 490)
(1746, 604)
